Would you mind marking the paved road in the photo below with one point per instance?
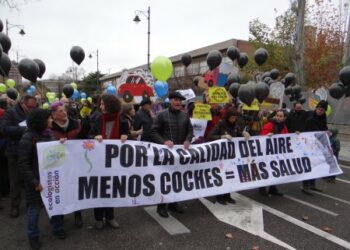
(267, 222)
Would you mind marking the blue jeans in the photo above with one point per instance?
(33, 213)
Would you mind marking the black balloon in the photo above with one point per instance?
(42, 67)
(233, 53)
(344, 75)
(289, 79)
(12, 93)
(77, 54)
(246, 93)
(1, 26)
(1, 50)
(233, 89)
(68, 90)
(28, 69)
(267, 80)
(262, 91)
(296, 89)
(214, 59)
(5, 64)
(274, 73)
(5, 42)
(242, 59)
(233, 77)
(288, 90)
(260, 56)
(302, 100)
(186, 59)
(291, 98)
(337, 90)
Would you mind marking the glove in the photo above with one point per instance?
(226, 136)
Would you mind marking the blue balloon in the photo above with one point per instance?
(29, 92)
(75, 95)
(32, 88)
(83, 95)
(161, 88)
(111, 90)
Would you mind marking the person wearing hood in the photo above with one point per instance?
(275, 126)
(316, 122)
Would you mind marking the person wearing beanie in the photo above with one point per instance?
(316, 122)
(38, 122)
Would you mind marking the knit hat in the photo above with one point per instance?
(322, 104)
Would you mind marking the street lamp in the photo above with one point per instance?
(137, 19)
(97, 72)
(10, 26)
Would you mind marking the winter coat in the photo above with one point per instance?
(72, 131)
(144, 120)
(222, 128)
(28, 162)
(296, 121)
(270, 128)
(316, 123)
(173, 125)
(11, 129)
(96, 127)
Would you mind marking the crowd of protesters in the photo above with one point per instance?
(23, 124)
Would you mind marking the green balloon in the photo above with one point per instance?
(89, 99)
(2, 88)
(45, 105)
(162, 68)
(74, 85)
(329, 110)
(11, 83)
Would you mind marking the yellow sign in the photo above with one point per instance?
(202, 111)
(254, 106)
(218, 95)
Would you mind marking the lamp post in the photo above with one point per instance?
(97, 72)
(137, 19)
(10, 26)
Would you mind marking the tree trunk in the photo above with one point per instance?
(346, 57)
(299, 44)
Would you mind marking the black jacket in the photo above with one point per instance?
(172, 125)
(143, 119)
(316, 123)
(11, 129)
(28, 162)
(222, 128)
(296, 121)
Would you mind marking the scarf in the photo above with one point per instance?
(277, 127)
(115, 133)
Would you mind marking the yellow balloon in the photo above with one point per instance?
(11, 83)
(45, 105)
(329, 110)
(74, 85)
(89, 99)
(2, 88)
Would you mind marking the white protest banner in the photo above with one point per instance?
(199, 126)
(187, 93)
(82, 174)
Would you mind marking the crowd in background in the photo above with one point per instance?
(23, 124)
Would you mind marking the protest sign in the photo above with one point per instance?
(199, 127)
(218, 95)
(202, 111)
(82, 174)
(187, 93)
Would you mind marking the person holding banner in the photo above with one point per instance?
(107, 126)
(172, 126)
(38, 122)
(127, 121)
(316, 122)
(63, 128)
(144, 119)
(227, 128)
(277, 125)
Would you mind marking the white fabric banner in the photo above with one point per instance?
(82, 174)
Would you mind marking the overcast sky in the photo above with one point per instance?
(53, 27)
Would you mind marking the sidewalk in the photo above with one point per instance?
(344, 155)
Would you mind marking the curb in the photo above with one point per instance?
(344, 162)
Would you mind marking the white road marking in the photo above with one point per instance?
(245, 216)
(342, 180)
(310, 205)
(296, 222)
(332, 197)
(170, 224)
(346, 167)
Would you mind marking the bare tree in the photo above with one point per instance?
(299, 43)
